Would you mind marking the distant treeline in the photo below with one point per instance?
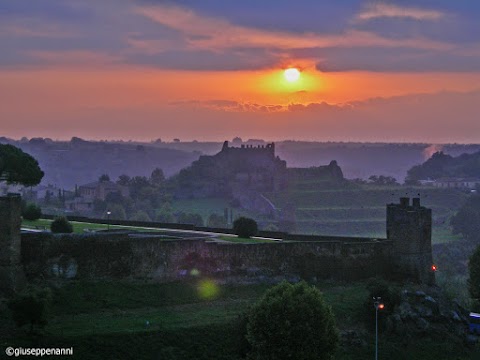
(441, 165)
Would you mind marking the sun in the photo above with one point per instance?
(291, 74)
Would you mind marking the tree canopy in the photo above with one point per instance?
(467, 220)
(292, 322)
(245, 227)
(18, 167)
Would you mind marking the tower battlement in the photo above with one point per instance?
(409, 226)
(250, 149)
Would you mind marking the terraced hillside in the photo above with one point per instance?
(360, 210)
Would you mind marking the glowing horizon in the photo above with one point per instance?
(179, 76)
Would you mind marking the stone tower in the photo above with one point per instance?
(409, 226)
(11, 272)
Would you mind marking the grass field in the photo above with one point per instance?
(105, 320)
(236, 239)
(81, 227)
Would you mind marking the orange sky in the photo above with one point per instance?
(207, 73)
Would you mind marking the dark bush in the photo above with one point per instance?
(292, 322)
(390, 297)
(31, 307)
(32, 212)
(61, 226)
(245, 227)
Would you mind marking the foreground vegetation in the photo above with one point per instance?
(181, 321)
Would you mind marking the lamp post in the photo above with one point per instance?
(108, 220)
(379, 305)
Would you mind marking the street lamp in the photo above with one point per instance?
(379, 305)
(108, 220)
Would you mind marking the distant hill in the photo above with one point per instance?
(441, 165)
(78, 162)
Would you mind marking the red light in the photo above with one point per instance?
(434, 268)
(381, 306)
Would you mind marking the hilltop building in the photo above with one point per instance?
(98, 190)
(236, 171)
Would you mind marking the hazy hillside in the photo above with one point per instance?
(78, 162)
(357, 160)
(442, 165)
(67, 163)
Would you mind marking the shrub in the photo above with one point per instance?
(61, 226)
(32, 212)
(474, 272)
(390, 298)
(292, 322)
(245, 227)
(31, 307)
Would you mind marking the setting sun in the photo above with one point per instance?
(292, 74)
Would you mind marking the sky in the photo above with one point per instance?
(403, 71)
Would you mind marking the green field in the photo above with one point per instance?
(83, 227)
(206, 207)
(236, 239)
(106, 320)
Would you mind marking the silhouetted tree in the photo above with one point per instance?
(157, 177)
(32, 212)
(117, 211)
(61, 225)
(141, 215)
(31, 307)
(467, 220)
(104, 177)
(18, 167)
(245, 227)
(123, 180)
(292, 322)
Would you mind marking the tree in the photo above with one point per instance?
(123, 180)
(18, 167)
(164, 214)
(390, 295)
(141, 216)
(61, 226)
(32, 212)
(216, 221)
(157, 178)
(190, 218)
(117, 211)
(382, 180)
(292, 322)
(31, 307)
(245, 227)
(467, 220)
(104, 178)
(474, 272)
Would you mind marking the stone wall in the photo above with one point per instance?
(123, 256)
(11, 274)
(405, 254)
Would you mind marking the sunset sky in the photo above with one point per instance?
(210, 70)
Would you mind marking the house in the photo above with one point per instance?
(88, 193)
(99, 190)
(457, 183)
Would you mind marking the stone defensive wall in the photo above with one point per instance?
(173, 254)
(144, 256)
